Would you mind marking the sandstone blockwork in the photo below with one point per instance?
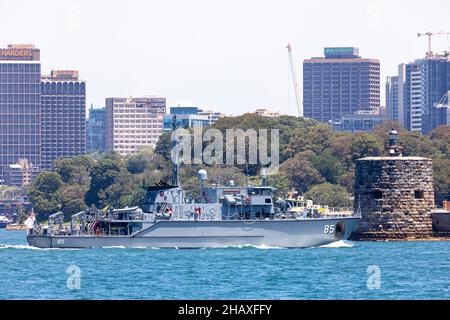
(395, 197)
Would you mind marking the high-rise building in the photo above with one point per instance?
(20, 101)
(422, 84)
(96, 130)
(340, 83)
(392, 98)
(133, 123)
(63, 107)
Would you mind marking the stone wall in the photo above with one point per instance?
(395, 197)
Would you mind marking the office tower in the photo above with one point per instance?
(20, 94)
(340, 83)
(63, 107)
(96, 130)
(133, 123)
(422, 84)
(392, 98)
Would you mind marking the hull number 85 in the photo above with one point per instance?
(328, 229)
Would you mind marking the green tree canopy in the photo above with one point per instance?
(329, 194)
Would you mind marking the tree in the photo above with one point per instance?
(164, 146)
(138, 163)
(441, 140)
(327, 165)
(74, 170)
(365, 145)
(315, 138)
(281, 182)
(441, 180)
(103, 175)
(415, 144)
(122, 191)
(329, 194)
(44, 194)
(302, 174)
(72, 199)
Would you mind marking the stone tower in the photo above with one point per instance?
(394, 195)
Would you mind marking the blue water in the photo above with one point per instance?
(409, 270)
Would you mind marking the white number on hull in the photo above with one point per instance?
(329, 229)
(60, 241)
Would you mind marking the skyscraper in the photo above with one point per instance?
(63, 107)
(133, 123)
(96, 130)
(392, 98)
(421, 84)
(20, 95)
(340, 83)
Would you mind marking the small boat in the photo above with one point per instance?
(4, 221)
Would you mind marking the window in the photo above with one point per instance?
(418, 194)
(377, 194)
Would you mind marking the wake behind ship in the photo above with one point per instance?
(223, 216)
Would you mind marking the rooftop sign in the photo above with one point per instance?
(19, 54)
(340, 51)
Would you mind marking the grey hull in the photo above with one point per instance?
(204, 234)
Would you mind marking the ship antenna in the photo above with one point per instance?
(175, 180)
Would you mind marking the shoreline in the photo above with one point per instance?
(22, 227)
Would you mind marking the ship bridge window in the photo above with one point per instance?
(268, 200)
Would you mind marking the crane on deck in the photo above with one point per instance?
(430, 34)
(295, 81)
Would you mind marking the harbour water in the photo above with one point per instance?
(342, 270)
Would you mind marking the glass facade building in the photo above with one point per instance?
(421, 84)
(189, 117)
(340, 83)
(96, 130)
(20, 102)
(63, 107)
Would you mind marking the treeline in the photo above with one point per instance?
(314, 160)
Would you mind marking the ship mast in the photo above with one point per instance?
(175, 180)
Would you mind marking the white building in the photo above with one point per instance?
(133, 123)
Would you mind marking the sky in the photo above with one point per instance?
(228, 56)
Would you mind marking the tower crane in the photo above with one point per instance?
(294, 80)
(429, 34)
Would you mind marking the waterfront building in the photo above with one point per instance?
(340, 83)
(63, 109)
(133, 123)
(96, 130)
(20, 106)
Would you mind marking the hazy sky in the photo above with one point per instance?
(229, 56)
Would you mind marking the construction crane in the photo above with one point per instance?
(294, 80)
(429, 34)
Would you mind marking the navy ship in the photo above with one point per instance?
(222, 216)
